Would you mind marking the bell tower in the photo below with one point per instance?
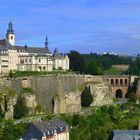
(10, 36)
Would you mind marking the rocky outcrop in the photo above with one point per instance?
(101, 93)
(69, 102)
(31, 102)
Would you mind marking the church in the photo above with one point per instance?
(25, 58)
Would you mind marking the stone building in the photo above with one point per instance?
(25, 58)
(61, 61)
(51, 130)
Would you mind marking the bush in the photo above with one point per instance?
(132, 96)
(11, 74)
(20, 108)
(86, 97)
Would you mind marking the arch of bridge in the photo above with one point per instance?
(119, 82)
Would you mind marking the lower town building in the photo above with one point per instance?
(51, 130)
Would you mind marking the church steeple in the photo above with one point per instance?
(46, 45)
(46, 42)
(10, 34)
(10, 29)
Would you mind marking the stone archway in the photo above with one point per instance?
(119, 93)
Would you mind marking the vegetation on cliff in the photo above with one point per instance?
(86, 97)
(11, 131)
(98, 125)
(20, 108)
(102, 121)
(16, 74)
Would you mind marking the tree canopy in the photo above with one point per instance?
(77, 62)
(20, 108)
(86, 97)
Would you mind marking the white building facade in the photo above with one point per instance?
(24, 58)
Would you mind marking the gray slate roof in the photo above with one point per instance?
(5, 45)
(58, 55)
(125, 135)
(32, 49)
(37, 130)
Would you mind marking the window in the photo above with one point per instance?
(125, 81)
(39, 60)
(112, 81)
(44, 68)
(26, 60)
(21, 61)
(11, 37)
(39, 68)
(116, 81)
(121, 82)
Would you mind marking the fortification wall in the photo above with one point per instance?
(62, 93)
(48, 87)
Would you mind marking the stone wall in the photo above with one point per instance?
(49, 87)
(62, 93)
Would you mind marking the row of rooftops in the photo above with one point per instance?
(49, 128)
(5, 46)
(56, 126)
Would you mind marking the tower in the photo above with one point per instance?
(46, 45)
(10, 34)
(46, 42)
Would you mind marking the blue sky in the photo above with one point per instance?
(82, 25)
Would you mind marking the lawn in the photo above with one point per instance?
(114, 71)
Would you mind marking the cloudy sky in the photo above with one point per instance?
(82, 25)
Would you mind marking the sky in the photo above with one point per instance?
(83, 25)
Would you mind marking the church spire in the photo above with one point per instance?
(46, 45)
(10, 29)
(46, 42)
(10, 34)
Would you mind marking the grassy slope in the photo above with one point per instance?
(114, 71)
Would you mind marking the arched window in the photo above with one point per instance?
(121, 81)
(112, 81)
(125, 81)
(116, 81)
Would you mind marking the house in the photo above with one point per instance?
(61, 61)
(54, 129)
(125, 135)
(26, 58)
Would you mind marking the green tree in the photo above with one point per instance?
(11, 74)
(75, 120)
(77, 63)
(20, 108)
(94, 68)
(132, 96)
(134, 68)
(86, 97)
(1, 112)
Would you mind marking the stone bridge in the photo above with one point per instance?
(119, 85)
